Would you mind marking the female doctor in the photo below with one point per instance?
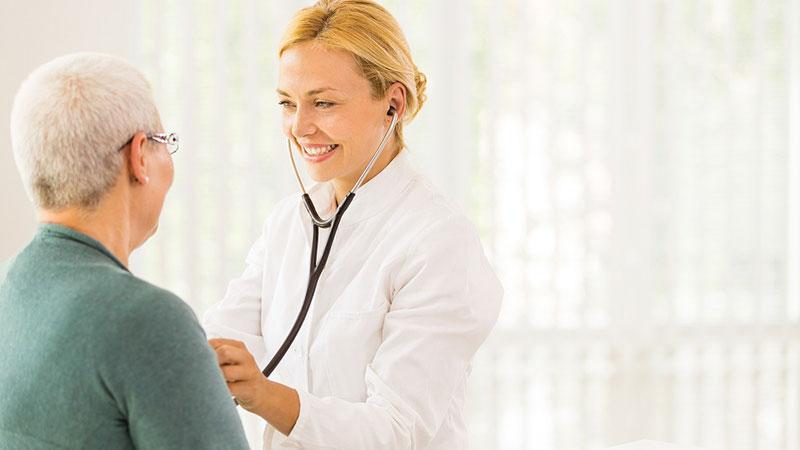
(407, 296)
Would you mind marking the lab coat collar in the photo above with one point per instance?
(371, 198)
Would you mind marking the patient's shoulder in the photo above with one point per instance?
(4, 266)
(142, 310)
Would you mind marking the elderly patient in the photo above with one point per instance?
(91, 356)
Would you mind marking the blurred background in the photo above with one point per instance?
(633, 167)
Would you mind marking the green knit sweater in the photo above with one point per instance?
(92, 357)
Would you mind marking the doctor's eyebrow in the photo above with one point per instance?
(309, 93)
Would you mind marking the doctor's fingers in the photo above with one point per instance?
(233, 355)
(218, 342)
(239, 373)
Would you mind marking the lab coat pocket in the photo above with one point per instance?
(352, 339)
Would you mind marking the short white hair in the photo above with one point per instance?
(69, 118)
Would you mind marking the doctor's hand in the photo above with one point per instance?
(245, 381)
(277, 404)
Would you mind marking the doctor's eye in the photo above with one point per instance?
(323, 105)
(285, 104)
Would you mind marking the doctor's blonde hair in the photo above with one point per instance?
(372, 35)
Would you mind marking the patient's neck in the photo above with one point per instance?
(107, 223)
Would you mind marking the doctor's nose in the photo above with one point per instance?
(303, 124)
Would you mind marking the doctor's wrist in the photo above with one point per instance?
(278, 404)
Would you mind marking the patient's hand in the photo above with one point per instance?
(245, 380)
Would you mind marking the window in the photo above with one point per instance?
(632, 166)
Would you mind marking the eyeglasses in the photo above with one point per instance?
(169, 139)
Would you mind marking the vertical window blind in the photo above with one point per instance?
(633, 167)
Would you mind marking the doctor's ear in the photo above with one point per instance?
(396, 95)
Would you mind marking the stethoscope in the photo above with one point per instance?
(332, 223)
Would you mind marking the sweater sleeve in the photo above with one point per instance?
(166, 381)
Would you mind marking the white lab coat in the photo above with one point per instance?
(405, 301)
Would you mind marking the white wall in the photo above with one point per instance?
(32, 33)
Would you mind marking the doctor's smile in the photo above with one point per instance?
(316, 150)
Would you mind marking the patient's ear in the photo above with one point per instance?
(137, 159)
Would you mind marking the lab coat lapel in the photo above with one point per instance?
(351, 243)
(379, 194)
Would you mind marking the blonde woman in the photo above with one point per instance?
(407, 296)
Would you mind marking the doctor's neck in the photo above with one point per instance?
(343, 185)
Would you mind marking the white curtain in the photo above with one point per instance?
(634, 169)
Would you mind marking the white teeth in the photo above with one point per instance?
(317, 151)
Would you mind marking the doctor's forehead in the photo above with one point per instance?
(309, 69)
